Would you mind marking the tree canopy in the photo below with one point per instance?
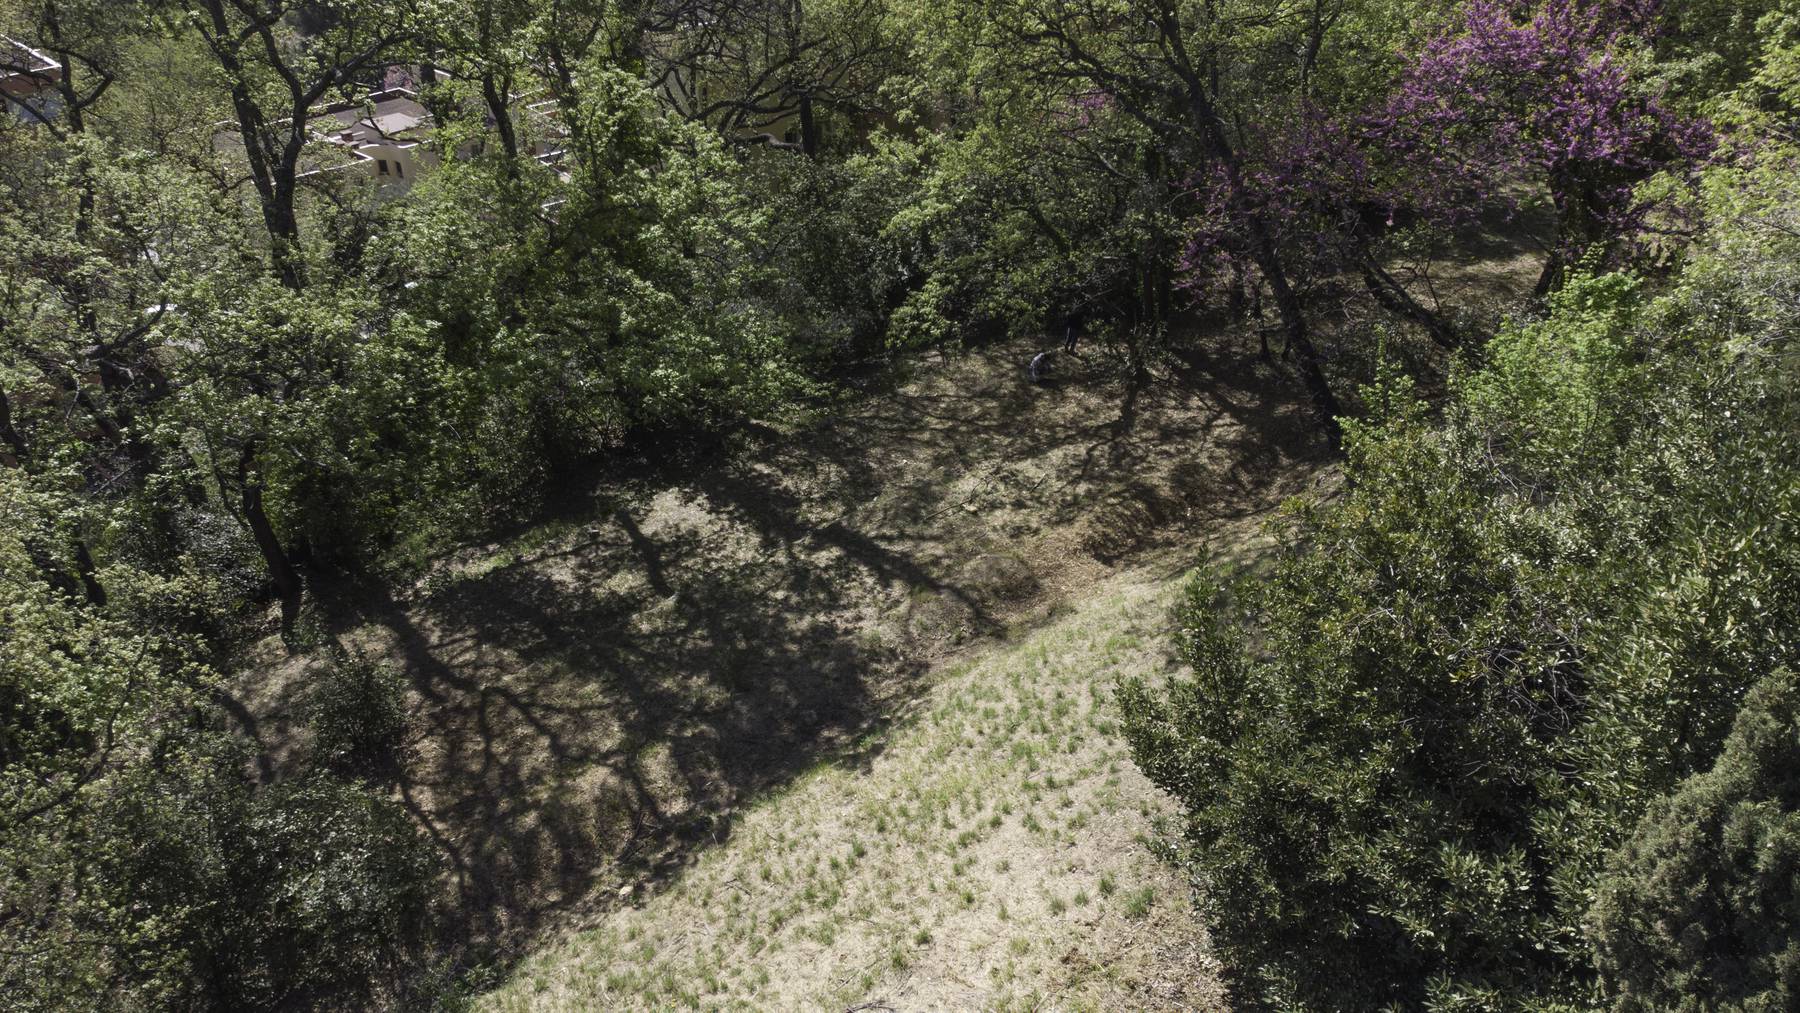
(297, 296)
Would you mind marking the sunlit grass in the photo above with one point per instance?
(863, 880)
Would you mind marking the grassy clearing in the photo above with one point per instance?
(987, 855)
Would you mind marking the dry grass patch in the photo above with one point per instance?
(988, 855)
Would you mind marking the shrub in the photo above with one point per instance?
(187, 888)
(357, 712)
(331, 885)
(1405, 751)
(1701, 908)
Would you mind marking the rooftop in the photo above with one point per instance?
(393, 115)
(19, 60)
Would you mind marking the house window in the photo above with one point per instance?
(397, 169)
(381, 166)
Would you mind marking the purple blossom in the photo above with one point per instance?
(1304, 185)
(1513, 95)
(1510, 94)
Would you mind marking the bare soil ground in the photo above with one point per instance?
(597, 699)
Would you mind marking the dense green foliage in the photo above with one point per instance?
(144, 868)
(240, 371)
(1698, 909)
(1406, 751)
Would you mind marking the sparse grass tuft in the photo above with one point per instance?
(1137, 902)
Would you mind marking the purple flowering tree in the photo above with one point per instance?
(1510, 95)
(1537, 94)
(1323, 199)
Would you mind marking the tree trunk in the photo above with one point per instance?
(288, 584)
(1293, 324)
(74, 117)
(52, 570)
(568, 98)
(274, 177)
(1551, 278)
(90, 581)
(496, 94)
(632, 17)
(11, 435)
(284, 227)
(1394, 297)
(809, 128)
(1263, 249)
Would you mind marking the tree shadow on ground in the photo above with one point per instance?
(585, 717)
(590, 712)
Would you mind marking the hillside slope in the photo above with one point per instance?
(987, 854)
(598, 700)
